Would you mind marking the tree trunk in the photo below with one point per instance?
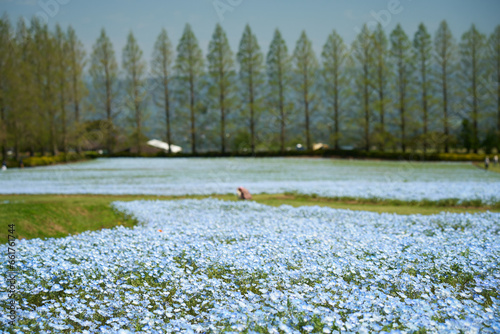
(16, 141)
(63, 120)
(308, 134)
(282, 112)
(4, 129)
(424, 102)
(382, 109)
(109, 127)
(402, 90)
(336, 109)
(445, 109)
(498, 103)
(52, 127)
(403, 124)
(306, 107)
(53, 141)
(222, 113)
(139, 128)
(223, 130)
(167, 110)
(51, 112)
(77, 112)
(366, 107)
(252, 120)
(498, 98)
(474, 102)
(191, 106)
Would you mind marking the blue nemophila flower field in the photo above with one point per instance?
(325, 177)
(211, 266)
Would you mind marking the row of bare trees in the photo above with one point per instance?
(41, 87)
(418, 76)
(384, 91)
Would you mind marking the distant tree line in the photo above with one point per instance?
(383, 92)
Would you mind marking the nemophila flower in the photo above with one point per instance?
(237, 266)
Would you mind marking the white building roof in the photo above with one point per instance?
(164, 146)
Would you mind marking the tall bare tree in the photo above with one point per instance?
(494, 57)
(401, 54)
(472, 51)
(6, 59)
(104, 73)
(135, 72)
(445, 48)
(27, 120)
(250, 60)
(422, 50)
(306, 67)
(335, 57)
(47, 73)
(278, 76)
(77, 89)
(36, 59)
(381, 80)
(221, 72)
(189, 66)
(161, 67)
(19, 84)
(62, 67)
(363, 55)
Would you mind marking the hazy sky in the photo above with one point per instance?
(318, 17)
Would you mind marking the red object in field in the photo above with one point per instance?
(243, 193)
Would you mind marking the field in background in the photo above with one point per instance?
(372, 180)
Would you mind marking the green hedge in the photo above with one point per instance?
(323, 153)
(406, 156)
(37, 161)
(358, 154)
(216, 154)
(463, 157)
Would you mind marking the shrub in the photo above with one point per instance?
(319, 153)
(57, 159)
